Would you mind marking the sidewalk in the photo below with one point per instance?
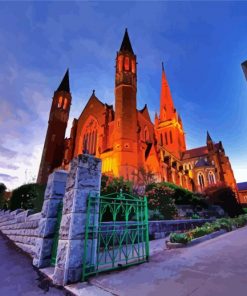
(215, 267)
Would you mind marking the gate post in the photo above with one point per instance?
(54, 194)
(83, 179)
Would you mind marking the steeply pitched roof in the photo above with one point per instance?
(244, 66)
(197, 152)
(64, 85)
(126, 45)
(242, 186)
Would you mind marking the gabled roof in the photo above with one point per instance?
(145, 113)
(197, 152)
(64, 85)
(242, 186)
(126, 45)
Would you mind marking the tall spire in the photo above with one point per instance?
(167, 110)
(209, 139)
(64, 85)
(126, 45)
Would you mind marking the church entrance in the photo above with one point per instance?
(116, 233)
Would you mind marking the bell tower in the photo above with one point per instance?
(52, 155)
(125, 128)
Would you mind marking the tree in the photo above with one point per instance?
(28, 196)
(225, 197)
(160, 198)
(112, 185)
(2, 195)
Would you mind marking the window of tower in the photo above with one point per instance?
(60, 102)
(171, 137)
(133, 66)
(65, 104)
(126, 63)
(161, 139)
(166, 138)
(120, 63)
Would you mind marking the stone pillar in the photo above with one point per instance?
(83, 179)
(54, 194)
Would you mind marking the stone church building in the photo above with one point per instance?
(126, 139)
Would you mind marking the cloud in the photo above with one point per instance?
(8, 165)
(7, 178)
(8, 153)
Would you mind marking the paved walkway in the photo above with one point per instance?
(18, 277)
(216, 267)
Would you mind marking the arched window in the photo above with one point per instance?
(133, 66)
(211, 178)
(161, 139)
(171, 137)
(89, 143)
(120, 63)
(166, 138)
(60, 102)
(65, 104)
(126, 63)
(201, 180)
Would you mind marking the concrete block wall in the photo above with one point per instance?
(21, 227)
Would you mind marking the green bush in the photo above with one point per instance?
(182, 238)
(201, 231)
(112, 185)
(28, 196)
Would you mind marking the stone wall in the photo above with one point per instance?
(21, 227)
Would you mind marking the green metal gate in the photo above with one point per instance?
(56, 236)
(116, 233)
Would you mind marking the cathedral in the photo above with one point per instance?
(127, 140)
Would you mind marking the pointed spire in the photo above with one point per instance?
(209, 139)
(167, 110)
(126, 45)
(64, 85)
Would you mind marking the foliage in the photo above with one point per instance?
(182, 238)
(185, 197)
(195, 216)
(2, 199)
(224, 197)
(227, 224)
(160, 197)
(28, 196)
(112, 185)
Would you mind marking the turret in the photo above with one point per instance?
(52, 155)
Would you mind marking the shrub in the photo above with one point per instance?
(160, 198)
(201, 231)
(112, 185)
(224, 197)
(28, 196)
(182, 238)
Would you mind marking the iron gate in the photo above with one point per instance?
(116, 233)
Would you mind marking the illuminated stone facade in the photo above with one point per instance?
(126, 139)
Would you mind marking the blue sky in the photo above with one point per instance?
(202, 45)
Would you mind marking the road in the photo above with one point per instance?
(18, 277)
(216, 267)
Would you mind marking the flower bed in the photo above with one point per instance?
(218, 227)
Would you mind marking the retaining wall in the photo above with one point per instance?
(21, 227)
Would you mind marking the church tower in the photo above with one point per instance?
(52, 155)
(125, 127)
(169, 127)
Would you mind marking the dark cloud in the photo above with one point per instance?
(7, 152)
(7, 178)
